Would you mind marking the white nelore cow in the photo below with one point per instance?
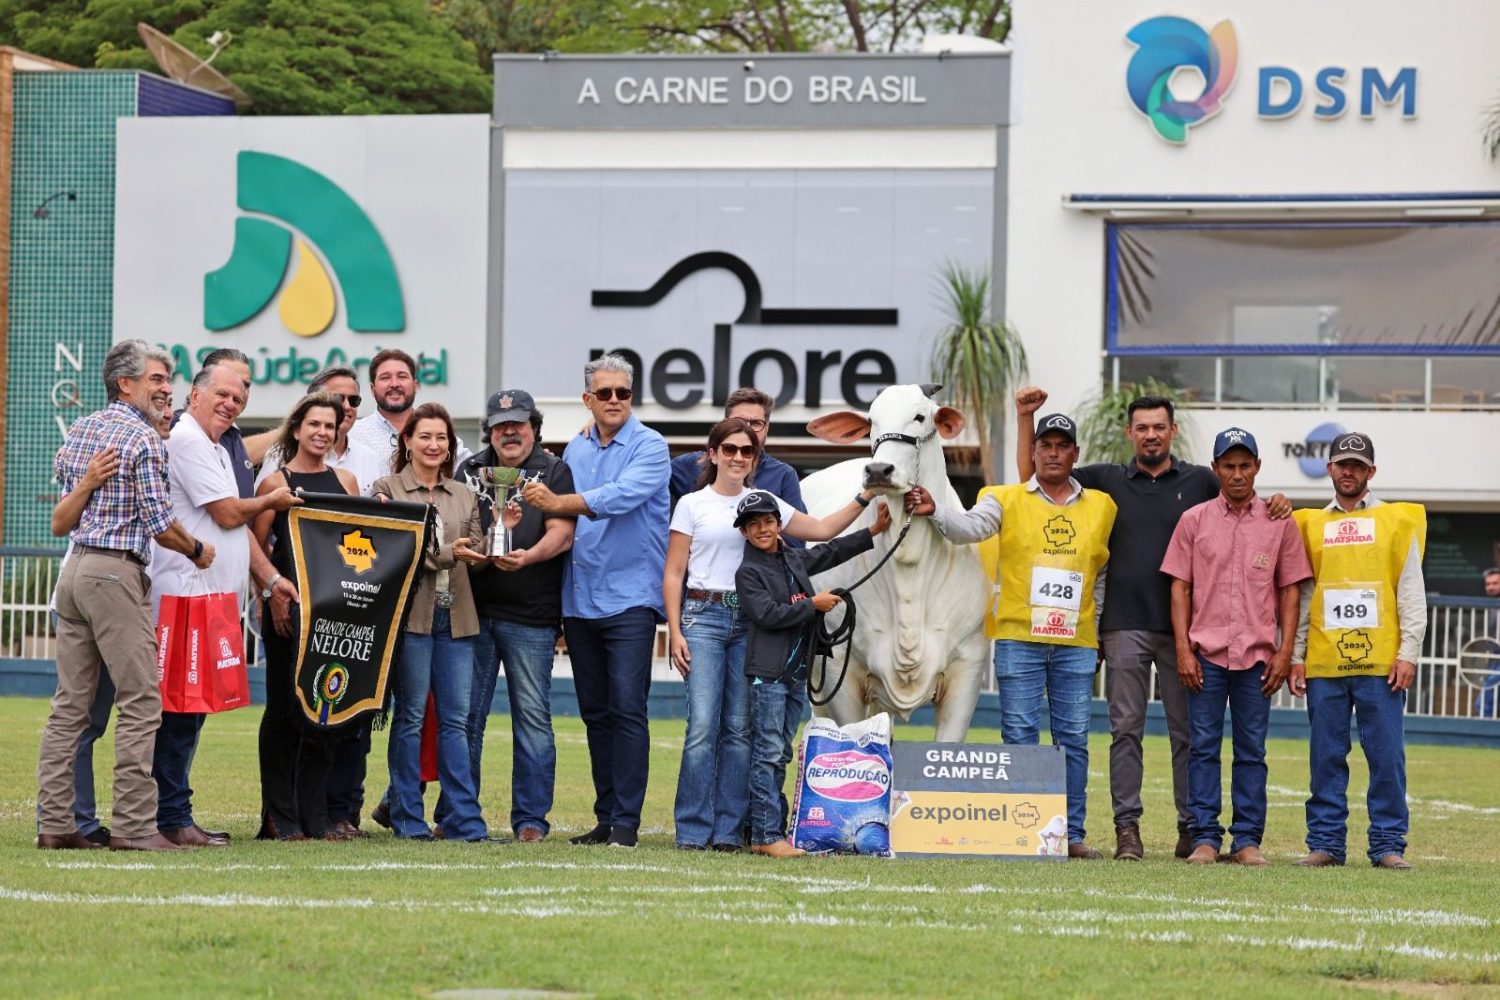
(919, 631)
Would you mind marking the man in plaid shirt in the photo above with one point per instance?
(104, 601)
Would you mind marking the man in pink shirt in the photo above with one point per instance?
(1235, 598)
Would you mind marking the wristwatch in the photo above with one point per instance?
(265, 595)
(197, 549)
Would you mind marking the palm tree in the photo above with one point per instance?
(1103, 417)
(977, 357)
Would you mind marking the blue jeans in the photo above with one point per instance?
(176, 743)
(1379, 711)
(1065, 674)
(525, 651)
(775, 713)
(612, 675)
(1250, 716)
(444, 666)
(713, 785)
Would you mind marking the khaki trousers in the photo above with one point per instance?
(104, 616)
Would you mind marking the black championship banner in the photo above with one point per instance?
(355, 563)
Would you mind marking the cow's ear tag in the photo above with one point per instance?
(948, 421)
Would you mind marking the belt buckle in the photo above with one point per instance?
(444, 599)
(730, 599)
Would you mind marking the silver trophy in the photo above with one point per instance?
(503, 483)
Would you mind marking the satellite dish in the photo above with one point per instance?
(182, 65)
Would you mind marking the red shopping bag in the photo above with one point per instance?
(428, 761)
(200, 654)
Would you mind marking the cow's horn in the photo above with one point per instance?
(931, 389)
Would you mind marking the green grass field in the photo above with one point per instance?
(383, 918)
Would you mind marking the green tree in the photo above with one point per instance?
(298, 57)
(977, 358)
(717, 25)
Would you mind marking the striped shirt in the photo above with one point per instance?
(135, 503)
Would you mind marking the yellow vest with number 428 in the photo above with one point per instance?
(1044, 562)
(1357, 557)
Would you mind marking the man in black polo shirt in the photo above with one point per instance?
(519, 598)
(1151, 492)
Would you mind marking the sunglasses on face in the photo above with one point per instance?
(353, 399)
(731, 450)
(608, 394)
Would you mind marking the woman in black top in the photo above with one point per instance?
(294, 768)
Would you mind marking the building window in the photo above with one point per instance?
(1385, 314)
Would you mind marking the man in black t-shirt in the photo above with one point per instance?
(519, 598)
(1151, 492)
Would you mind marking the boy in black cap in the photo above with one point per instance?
(773, 583)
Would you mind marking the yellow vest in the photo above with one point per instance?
(1353, 628)
(1043, 563)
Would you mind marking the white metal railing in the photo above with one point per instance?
(27, 579)
(1458, 675)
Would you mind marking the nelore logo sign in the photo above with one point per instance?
(679, 378)
(1171, 49)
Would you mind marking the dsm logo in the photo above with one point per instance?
(1165, 45)
(296, 206)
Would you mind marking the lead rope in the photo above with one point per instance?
(825, 641)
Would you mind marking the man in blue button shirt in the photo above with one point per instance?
(611, 599)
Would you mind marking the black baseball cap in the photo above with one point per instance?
(1352, 445)
(1060, 422)
(754, 503)
(509, 406)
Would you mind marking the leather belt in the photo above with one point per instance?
(115, 554)
(728, 598)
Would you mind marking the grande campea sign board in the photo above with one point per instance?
(979, 800)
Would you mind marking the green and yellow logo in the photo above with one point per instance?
(305, 206)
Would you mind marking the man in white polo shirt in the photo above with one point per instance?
(206, 499)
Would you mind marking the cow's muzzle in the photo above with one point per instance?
(881, 476)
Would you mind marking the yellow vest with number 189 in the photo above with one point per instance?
(1044, 562)
(1357, 557)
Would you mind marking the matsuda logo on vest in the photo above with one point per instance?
(1355, 646)
(357, 550)
(1350, 531)
(1058, 532)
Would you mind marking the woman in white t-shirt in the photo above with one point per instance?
(707, 635)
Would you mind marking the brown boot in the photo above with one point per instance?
(1320, 859)
(1128, 846)
(1203, 854)
(1184, 840)
(1249, 856)
(1083, 852)
(1393, 860)
(779, 849)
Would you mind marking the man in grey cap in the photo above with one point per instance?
(519, 598)
(1363, 618)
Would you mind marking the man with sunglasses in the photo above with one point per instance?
(359, 458)
(612, 599)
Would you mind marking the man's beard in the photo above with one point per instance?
(401, 407)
